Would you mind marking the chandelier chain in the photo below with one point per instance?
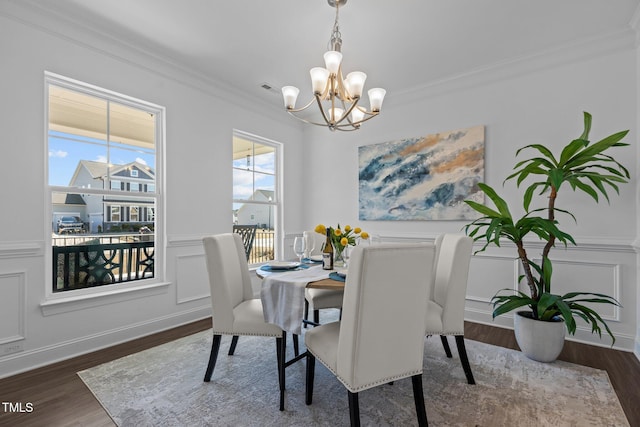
(335, 43)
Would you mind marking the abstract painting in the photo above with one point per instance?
(423, 178)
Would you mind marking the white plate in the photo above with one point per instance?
(283, 265)
(316, 258)
(341, 273)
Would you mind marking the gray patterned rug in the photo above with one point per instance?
(163, 386)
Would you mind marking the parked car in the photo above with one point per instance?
(70, 224)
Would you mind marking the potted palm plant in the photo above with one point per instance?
(581, 167)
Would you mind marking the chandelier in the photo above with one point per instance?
(336, 96)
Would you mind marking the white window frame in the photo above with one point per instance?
(277, 203)
(61, 302)
(117, 210)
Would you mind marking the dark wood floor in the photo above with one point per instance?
(60, 398)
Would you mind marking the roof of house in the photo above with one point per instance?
(67, 199)
(99, 170)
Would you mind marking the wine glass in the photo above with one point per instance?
(346, 254)
(309, 244)
(298, 247)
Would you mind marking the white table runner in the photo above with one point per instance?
(282, 296)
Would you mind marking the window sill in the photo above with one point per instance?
(80, 302)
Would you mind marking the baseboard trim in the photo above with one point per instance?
(37, 358)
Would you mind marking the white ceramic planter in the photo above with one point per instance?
(538, 340)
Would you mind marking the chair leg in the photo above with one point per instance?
(215, 346)
(306, 313)
(418, 396)
(316, 316)
(354, 409)
(232, 347)
(281, 344)
(462, 352)
(296, 345)
(445, 344)
(311, 369)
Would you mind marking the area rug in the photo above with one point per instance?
(163, 386)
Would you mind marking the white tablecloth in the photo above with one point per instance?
(282, 297)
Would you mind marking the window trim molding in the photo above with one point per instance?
(279, 180)
(104, 293)
(69, 303)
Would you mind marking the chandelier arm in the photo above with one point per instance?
(305, 120)
(371, 116)
(324, 114)
(297, 110)
(354, 103)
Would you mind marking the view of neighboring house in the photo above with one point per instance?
(67, 205)
(108, 213)
(250, 213)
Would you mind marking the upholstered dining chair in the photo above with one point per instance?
(235, 310)
(364, 349)
(319, 299)
(445, 306)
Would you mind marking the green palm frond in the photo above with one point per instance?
(586, 168)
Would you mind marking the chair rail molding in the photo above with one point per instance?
(22, 249)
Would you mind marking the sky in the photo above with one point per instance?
(260, 167)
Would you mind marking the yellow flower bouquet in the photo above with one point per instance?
(342, 237)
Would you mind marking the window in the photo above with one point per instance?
(115, 213)
(256, 194)
(103, 153)
(133, 214)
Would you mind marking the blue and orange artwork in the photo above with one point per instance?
(423, 178)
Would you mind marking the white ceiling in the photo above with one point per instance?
(402, 45)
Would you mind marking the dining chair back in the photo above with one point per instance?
(319, 299)
(366, 349)
(445, 305)
(235, 310)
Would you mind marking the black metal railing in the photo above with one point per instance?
(96, 263)
(263, 249)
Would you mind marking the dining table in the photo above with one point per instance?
(283, 290)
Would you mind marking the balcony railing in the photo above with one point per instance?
(263, 247)
(100, 261)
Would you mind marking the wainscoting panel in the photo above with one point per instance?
(502, 272)
(12, 307)
(588, 276)
(191, 278)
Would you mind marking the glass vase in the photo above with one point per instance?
(338, 257)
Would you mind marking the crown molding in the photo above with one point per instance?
(576, 51)
(45, 18)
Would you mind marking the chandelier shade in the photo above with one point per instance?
(337, 97)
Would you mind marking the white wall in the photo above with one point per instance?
(200, 122)
(537, 100)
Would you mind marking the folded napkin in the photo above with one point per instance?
(335, 276)
(282, 297)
